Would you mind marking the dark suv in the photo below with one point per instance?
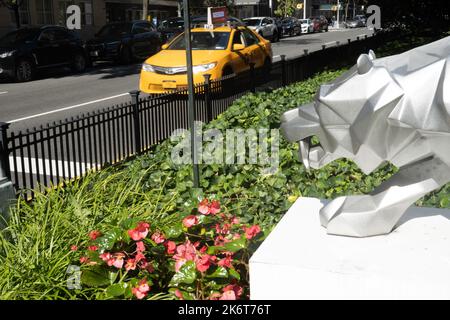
(25, 51)
(125, 42)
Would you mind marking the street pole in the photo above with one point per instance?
(337, 16)
(187, 39)
(304, 9)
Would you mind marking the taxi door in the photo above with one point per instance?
(254, 49)
(240, 59)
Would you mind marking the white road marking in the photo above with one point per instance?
(3, 92)
(73, 166)
(68, 108)
(362, 35)
(332, 42)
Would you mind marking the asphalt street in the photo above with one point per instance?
(59, 94)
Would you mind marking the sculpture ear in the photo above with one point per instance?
(364, 64)
(372, 55)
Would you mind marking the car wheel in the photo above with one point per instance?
(24, 71)
(79, 62)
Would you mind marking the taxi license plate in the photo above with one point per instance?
(169, 85)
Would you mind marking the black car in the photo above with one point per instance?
(125, 42)
(291, 26)
(25, 51)
(170, 28)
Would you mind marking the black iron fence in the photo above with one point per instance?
(52, 154)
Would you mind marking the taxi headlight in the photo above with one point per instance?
(7, 54)
(147, 67)
(203, 67)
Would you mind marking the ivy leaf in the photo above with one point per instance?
(236, 245)
(234, 274)
(187, 274)
(109, 239)
(117, 289)
(220, 272)
(173, 231)
(95, 277)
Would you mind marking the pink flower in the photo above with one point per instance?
(203, 263)
(118, 260)
(225, 262)
(231, 292)
(74, 248)
(140, 246)
(84, 259)
(108, 258)
(178, 294)
(158, 237)
(190, 221)
(214, 207)
(130, 265)
(170, 247)
(184, 252)
(94, 234)
(92, 248)
(234, 220)
(139, 257)
(141, 290)
(140, 232)
(252, 231)
(203, 207)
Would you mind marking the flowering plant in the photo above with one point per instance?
(204, 255)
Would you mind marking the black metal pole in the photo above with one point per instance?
(5, 172)
(208, 97)
(136, 121)
(190, 78)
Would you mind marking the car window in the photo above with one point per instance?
(202, 41)
(142, 28)
(60, 34)
(238, 38)
(266, 21)
(250, 38)
(47, 35)
(252, 22)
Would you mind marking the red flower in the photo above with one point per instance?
(170, 247)
(214, 207)
(234, 220)
(118, 260)
(178, 294)
(74, 248)
(252, 231)
(190, 221)
(92, 248)
(139, 257)
(231, 292)
(130, 265)
(225, 262)
(84, 259)
(185, 252)
(203, 263)
(108, 258)
(141, 290)
(94, 234)
(140, 232)
(203, 207)
(140, 246)
(158, 237)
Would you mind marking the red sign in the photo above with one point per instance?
(217, 15)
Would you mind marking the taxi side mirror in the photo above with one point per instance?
(164, 46)
(238, 47)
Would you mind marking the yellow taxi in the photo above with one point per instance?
(219, 52)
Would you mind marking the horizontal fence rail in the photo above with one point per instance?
(50, 155)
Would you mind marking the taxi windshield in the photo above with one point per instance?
(203, 40)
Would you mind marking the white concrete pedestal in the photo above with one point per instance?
(299, 260)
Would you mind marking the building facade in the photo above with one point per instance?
(94, 13)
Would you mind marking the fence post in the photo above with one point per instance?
(207, 92)
(5, 171)
(252, 77)
(137, 124)
(283, 70)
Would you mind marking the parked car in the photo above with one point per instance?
(362, 18)
(356, 22)
(291, 26)
(170, 28)
(307, 25)
(320, 23)
(25, 51)
(279, 24)
(264, 26)
(200, 21)
(125, 42)
(219, 52)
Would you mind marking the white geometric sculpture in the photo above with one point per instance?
(394, 109)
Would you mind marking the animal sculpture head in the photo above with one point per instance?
(395, 109)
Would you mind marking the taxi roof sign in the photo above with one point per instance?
(216, 15)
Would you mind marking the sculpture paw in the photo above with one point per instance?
(357, 216)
